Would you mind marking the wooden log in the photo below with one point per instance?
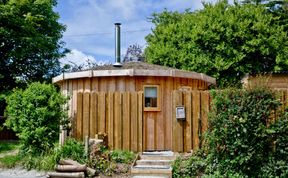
(70, 168)
(72, 162)
(66, 174)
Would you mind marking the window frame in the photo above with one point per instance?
(158, 108)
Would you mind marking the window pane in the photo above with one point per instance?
(150, 92)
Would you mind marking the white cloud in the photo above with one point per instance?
(76, 57)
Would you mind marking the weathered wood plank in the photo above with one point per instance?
(167, 101)
(86, 114)
(205, 102)
(79, 118)
(118, 120)
(188, 123)
(101, 113)
(94, 85)
(74, 108)
(126, 120)
(134, 122)
(110, 117)
(196, 116)
(120, 86)
(177, 125)
(87, 84)
(140, 121)
(80, 85)
(159, 116)
(93, 114)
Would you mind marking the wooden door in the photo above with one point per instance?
(157, 130)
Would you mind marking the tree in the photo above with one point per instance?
(30, 43)
(222, 40)
(134, 53)
(35, 114)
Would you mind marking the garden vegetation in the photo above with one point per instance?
(243, 139)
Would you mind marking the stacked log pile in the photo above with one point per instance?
(71, 169)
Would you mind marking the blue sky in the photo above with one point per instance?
(90, 24)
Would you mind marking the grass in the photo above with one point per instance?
(9, 161)
(8, 146)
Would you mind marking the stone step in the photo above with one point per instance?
(153, 162)
(158, 153)
(152, 166)
(150, 171)
(151, 157)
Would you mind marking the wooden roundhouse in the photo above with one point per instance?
(135, 105)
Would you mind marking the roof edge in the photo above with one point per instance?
(133, 72)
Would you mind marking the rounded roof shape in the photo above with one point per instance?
(134, 69)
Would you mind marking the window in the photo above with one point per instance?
(151, 98)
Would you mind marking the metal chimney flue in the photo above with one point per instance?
(117, 46)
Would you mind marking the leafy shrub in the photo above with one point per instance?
(35, 115)
(277, 165)
(109, 162)
(122, 156)
(238, 136)
(71, 149)
(188, 166)
(242, 140)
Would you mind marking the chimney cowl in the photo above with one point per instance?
(117, 46)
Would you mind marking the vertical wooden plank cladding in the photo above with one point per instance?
(120, 86)
(167, 101)
(177, 125)
(134, 122)
(86, 114)
(79, 117)
(93, 115)
(80, 85)
(70, 94)
(188, 123)
(205, 102)
(110, 117)
(101, 113)
(74, 108)
(126, 121)
(130, 84)
(111, 83)
(87, 85)
(196, 115)
(118, 120)
(140, 121)
(94, 85)
(159, 116)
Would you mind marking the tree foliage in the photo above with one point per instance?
(30, 43)
(35, 114)
(222, 40)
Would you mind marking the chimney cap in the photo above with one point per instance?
(117, 23)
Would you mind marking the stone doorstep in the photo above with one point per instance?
(153, 162)
(149, 171)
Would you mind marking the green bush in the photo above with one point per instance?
(35, 115)
(122, 156)
(188, 166)
(71, 149)
(238, 136)
(242, 140)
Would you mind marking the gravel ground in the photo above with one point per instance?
(20, 173)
